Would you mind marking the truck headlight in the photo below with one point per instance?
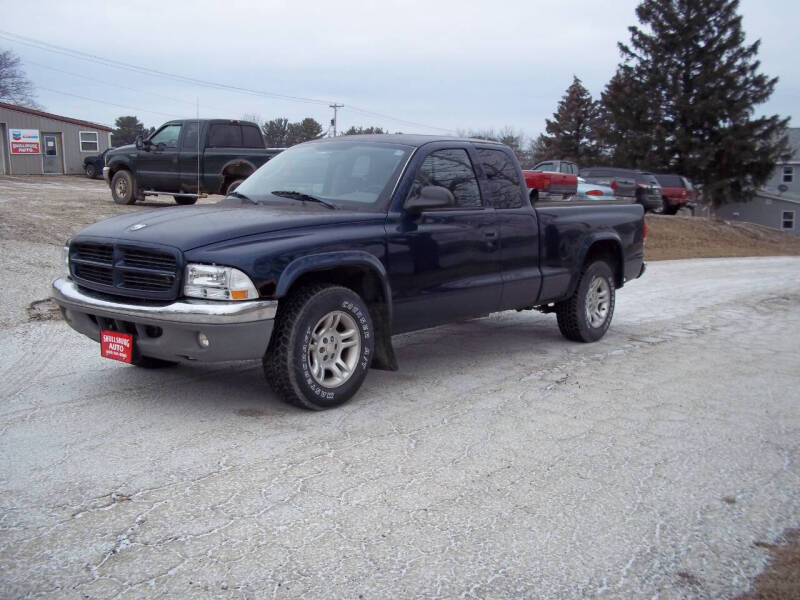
(217, 283)
(65, 256)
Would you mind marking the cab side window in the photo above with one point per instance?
(504, 183)
(453, 170)
(190, 130)
(168, 136)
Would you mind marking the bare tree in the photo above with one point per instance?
(253, 117)
(15, 87)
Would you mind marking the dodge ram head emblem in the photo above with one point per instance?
(137, 227)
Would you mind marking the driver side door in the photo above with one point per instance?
(444, 263)
(158, 168)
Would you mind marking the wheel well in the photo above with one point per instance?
(361, 280)
(235, 171)
(608, 251)
(534, 195)
(114, 170)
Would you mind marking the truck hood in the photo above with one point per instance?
(121, 150)
(187, 228)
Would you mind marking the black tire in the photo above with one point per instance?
(579, 317)
(185, 200)
(534, 196)
(233, 185)
(90, 170)
(148, 362)
(669, 209)
(288, 364)
(123, 187)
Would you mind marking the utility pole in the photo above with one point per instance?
(335, 108)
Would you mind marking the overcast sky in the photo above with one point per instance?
(451, 65)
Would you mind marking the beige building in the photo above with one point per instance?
(33, 142)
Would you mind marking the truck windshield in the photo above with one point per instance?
(348, 174)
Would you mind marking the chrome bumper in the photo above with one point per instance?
(66, 293)
(106, 175)
(236, 330)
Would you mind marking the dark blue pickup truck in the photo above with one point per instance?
(333, 246)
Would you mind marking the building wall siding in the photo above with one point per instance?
(32, 164)
(763, 211)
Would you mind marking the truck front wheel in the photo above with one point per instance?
(321, 347)
(586, 315)
(123, 187)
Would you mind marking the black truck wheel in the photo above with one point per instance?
(233, 185)
(185, 200)
(90, 170)
(586, 315)
(123, 187)
(321, 347)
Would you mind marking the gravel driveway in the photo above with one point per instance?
(501, 461)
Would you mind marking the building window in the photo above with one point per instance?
(788, 174)
(89, 141)
(787, 220)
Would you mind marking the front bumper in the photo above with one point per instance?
(235, 330)
(107, 175)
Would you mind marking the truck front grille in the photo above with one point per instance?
(123, 269)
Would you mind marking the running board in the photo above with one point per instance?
(156, 193)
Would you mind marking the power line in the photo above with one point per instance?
(48, 47)
(118, 85)
(158, 112)
(13, 37)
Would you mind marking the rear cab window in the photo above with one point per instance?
(502, 178)
(224, 135)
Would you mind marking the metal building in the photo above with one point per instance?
(777, 204)
(33, 142)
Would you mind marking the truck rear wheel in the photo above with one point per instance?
(233, 185)
(321, 347)
(586, 315)
(123, 187)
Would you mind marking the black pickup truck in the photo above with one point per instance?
(186, 158)
(329, 249)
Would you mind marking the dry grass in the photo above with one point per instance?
(781, 579)
(672, 237)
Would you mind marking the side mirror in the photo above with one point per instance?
(139, 142)
(431, 196)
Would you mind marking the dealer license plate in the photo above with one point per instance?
(115, 345)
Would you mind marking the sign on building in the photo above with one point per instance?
(24, 141)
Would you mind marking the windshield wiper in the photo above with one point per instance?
(301, 196)
(241, 196)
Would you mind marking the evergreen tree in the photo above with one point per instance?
(303, 131)
(571, 133)
(683, 99)
(126, 129)
(276, 132)
(364, 130)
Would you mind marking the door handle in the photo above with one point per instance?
(490, 234)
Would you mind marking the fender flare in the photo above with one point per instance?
(384, 357)
(236, 162)
(591, 241)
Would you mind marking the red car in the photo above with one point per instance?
(552, 179)
(677, 192)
